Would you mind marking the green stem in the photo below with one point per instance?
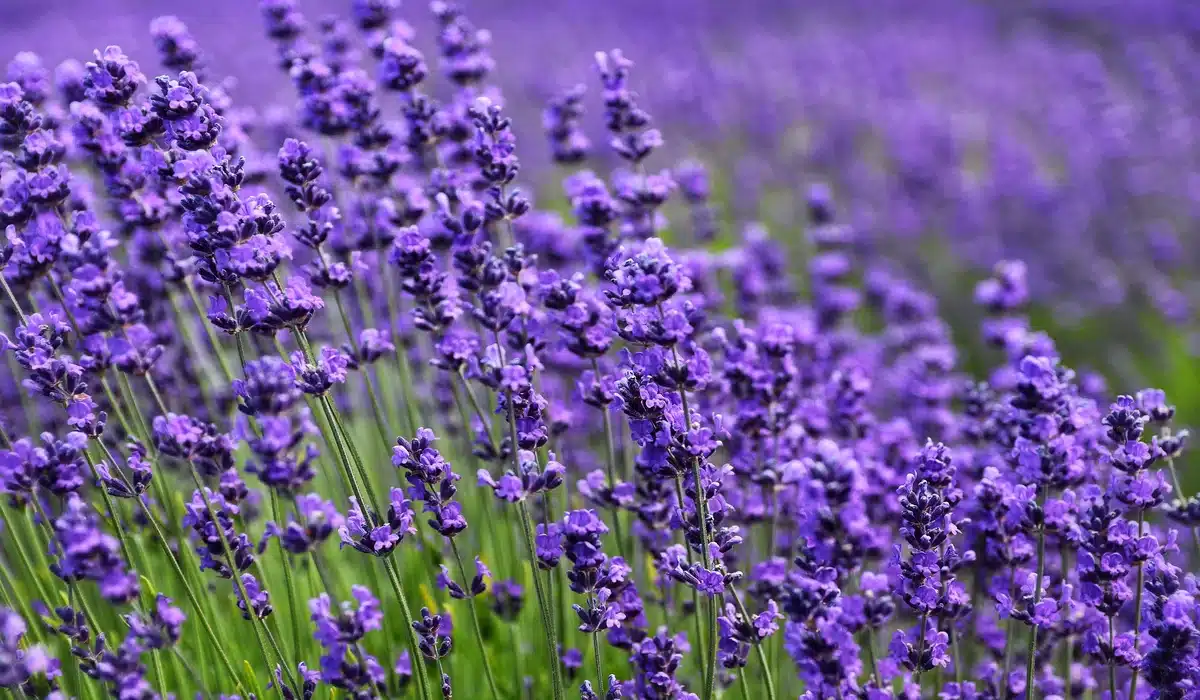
(958, 666)
(403, 371)
(514, 640)
(470, 601)
(340, 427)
(743, 683)
(289, 582)
(12, 298)
(610, 463)
(117, 407)
(601, 681)
(704, 659)
(406, 611)
(1179, 494)
(191, 671)
(200, 611)
(702, 522)
(237, 579)
(212, 334)
(27, 562)
(758, 647)
(1112, 668)
(478, 408)
(376, 406)
(17, 601)
(872, 664)
(344, 462)
(543, 601)
(920, 650)
(1009, 631)
(1030, 690)
(204, 369)
(158, 672)
(322, 575)
(1137, 605)
(287, 667)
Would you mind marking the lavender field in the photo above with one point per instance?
(649, 349)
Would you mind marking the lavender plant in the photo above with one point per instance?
(697, 473)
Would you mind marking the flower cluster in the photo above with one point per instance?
(698, 473)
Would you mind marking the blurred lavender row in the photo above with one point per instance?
(1056, 131)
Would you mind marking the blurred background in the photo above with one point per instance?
(954, 134)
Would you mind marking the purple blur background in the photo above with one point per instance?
(1058, 131)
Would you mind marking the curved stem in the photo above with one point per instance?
(27, 561)
(340, 427)
(1179, 494)
(376, 406)
(237, 580)
(344, 462)
(13, 300)
(758, 647)
(289, 582)
(406, 612)
(470, 601)
(210, 332)
(478, 408)
(401, 357)
(610, 462)
(543, 601)
(187, 587)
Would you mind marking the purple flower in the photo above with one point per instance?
(21, 662)
(508, 599)
(85, 552)
(213, 530)
(549, 545)
(349, 624)
(433, 639)
(315, 520)
(281, 459)
(431, 481)
(112, 78)
(648, 277)
(162, 627)
(259, 598)
(561, 122)
(571, 660)
(655, 661)
(532, 481)
(269, 387)
(933, 653)
(317, 379)
(370, 534)
(478, 585)
(1170, 665)
(129, 481)
(339, 631)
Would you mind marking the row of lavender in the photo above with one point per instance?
(699, 479)
(970, 125)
